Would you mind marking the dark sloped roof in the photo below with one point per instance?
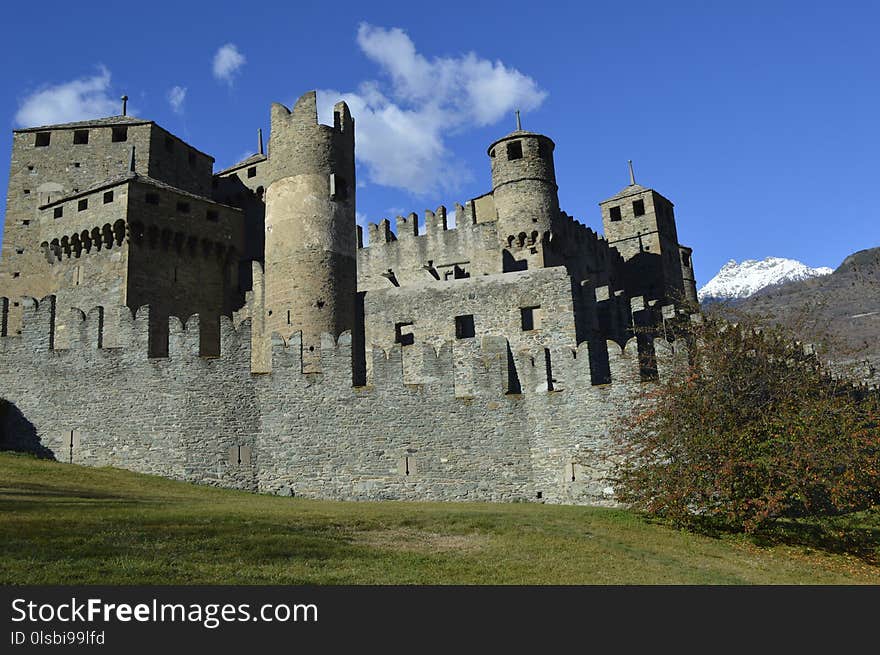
(253, 159)
(629, 190)
(130, 176)
(94, 122)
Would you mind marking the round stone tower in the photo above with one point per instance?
(524, 189)
(311, 247)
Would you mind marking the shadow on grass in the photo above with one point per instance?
(856, 534)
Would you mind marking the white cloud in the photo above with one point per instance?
(176, 96)
(77, 100)
(227, 63)
(402, 126)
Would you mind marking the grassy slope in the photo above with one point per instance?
(63, 524)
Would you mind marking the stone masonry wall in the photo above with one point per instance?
(211, 421)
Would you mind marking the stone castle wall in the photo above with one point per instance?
(515, 429)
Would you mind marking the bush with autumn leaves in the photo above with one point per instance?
(750, 432)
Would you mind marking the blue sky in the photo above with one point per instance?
(759, 120)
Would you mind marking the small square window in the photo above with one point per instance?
(82, 205)
(31, 168)
(27, 192)
(212, 216)
(19, 251)
(119, 134)
(151, 198)
(514, 150)
(464, 327)
(183, 207)
(80, 137)
(402, 336)
(108, 197)
(615, 213)
(42, 139)
(530, 318)
(639, 207)
(252, 171)
(25, 223)
(59, 212)
(76, 164)
(16, 274)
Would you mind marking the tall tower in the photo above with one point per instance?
(311, 248)
(525, 193)
(640, 224)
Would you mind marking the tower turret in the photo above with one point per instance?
(311, 249)
(525, 193)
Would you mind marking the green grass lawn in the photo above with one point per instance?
(66, 524)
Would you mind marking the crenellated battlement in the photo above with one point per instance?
(464, 367)
(406, 227)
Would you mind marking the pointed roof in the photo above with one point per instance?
(256, 158)
(94, 122)
(628, 190)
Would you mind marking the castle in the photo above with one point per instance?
(237, 329)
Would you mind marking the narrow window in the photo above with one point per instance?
(288, 317)
(108, 197)
(338, 190)
(639, 207)
(514, 150)
(529, 318)
(175, 274)
(119, 134)
(404, 338)
(42, 139)
(183, 207)
(151, 199)
(615, 213)
(59, 212)
(80, 137)
(212, 216)
(252, 171)
(464, 327)
(82, 205)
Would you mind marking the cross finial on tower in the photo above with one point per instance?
(518, 121)
(632, 176)
(124, 105)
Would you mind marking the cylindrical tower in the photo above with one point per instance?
(524, 188)
(311, 248)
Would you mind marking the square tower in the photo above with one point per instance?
(640, 224)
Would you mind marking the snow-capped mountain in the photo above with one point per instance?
(736, 281)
